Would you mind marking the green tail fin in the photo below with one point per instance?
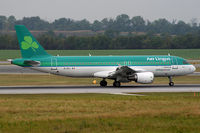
(30, 47)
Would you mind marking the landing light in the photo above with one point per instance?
(94, 82)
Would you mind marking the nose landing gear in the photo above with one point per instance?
(171, 83)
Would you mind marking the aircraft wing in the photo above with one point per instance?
(121, 72)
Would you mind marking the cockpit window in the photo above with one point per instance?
(185, 62)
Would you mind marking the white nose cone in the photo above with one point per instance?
(193, 68)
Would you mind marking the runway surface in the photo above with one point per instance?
(13, 69)
(96, 89)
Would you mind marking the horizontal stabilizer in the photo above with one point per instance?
(32, 62)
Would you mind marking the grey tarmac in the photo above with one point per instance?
(12, 69)
(125, 90)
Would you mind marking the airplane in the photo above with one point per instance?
(121, 69)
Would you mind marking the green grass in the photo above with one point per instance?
(185, 53)
(97, 113)
(46, 79)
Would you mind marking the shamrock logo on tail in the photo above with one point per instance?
(28, 43)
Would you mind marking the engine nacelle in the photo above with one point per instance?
(143, 77)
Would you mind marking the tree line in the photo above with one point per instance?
(122, 23)
(105, 41)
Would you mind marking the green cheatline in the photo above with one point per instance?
(28, 43)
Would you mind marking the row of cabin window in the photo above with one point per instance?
(113, 63)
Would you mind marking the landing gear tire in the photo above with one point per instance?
(171, 84)
(116, 84)
(103, 83)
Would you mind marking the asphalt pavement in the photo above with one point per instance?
(13, 69)
(96, 89)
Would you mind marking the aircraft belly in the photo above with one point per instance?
(84, 71)
(74, 71)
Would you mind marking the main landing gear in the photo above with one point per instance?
(103, 83)
(116, 84)
(171, 83)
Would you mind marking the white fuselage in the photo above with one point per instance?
(88, 71)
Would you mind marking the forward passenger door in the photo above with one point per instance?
(174, 63)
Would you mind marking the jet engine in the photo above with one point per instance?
(143, 77)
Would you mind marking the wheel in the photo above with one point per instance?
(103, 83)
(116, 84)
(171, 84)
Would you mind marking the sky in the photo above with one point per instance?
(99, 9)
